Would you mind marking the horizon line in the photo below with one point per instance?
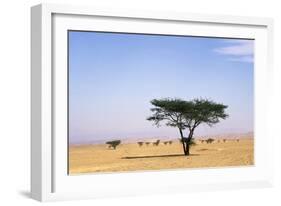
(133, 139)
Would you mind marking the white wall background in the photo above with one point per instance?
(15, 103)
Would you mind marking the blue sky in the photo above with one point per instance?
(113, 77)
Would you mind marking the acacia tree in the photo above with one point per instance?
(186, 115)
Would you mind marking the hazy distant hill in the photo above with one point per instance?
(228, 136)
(153, 139)
(218, 136)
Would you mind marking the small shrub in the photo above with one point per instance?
(210, 140)
(113, 144)
(190, 143)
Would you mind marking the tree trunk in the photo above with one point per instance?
(187, 149)
(183, 142)
(187, 145)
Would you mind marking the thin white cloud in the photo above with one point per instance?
(248, 59)
(237, 50)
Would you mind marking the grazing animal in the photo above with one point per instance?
(140, 143)
(210, 140)
(113, 144)
(147, 143)
(165, 143)
(156, 143)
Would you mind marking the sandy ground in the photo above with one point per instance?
(132, 157)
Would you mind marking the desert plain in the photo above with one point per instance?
(92, 158)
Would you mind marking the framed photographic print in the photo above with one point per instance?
(134, 102)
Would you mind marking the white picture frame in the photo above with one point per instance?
(49, 179)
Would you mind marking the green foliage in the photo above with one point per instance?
(171, 110)
(186, 114)
(206, 111)
(113, 144)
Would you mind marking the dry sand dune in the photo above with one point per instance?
(132, 157)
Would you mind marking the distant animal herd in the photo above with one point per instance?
(113, 144)
(156, 143)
